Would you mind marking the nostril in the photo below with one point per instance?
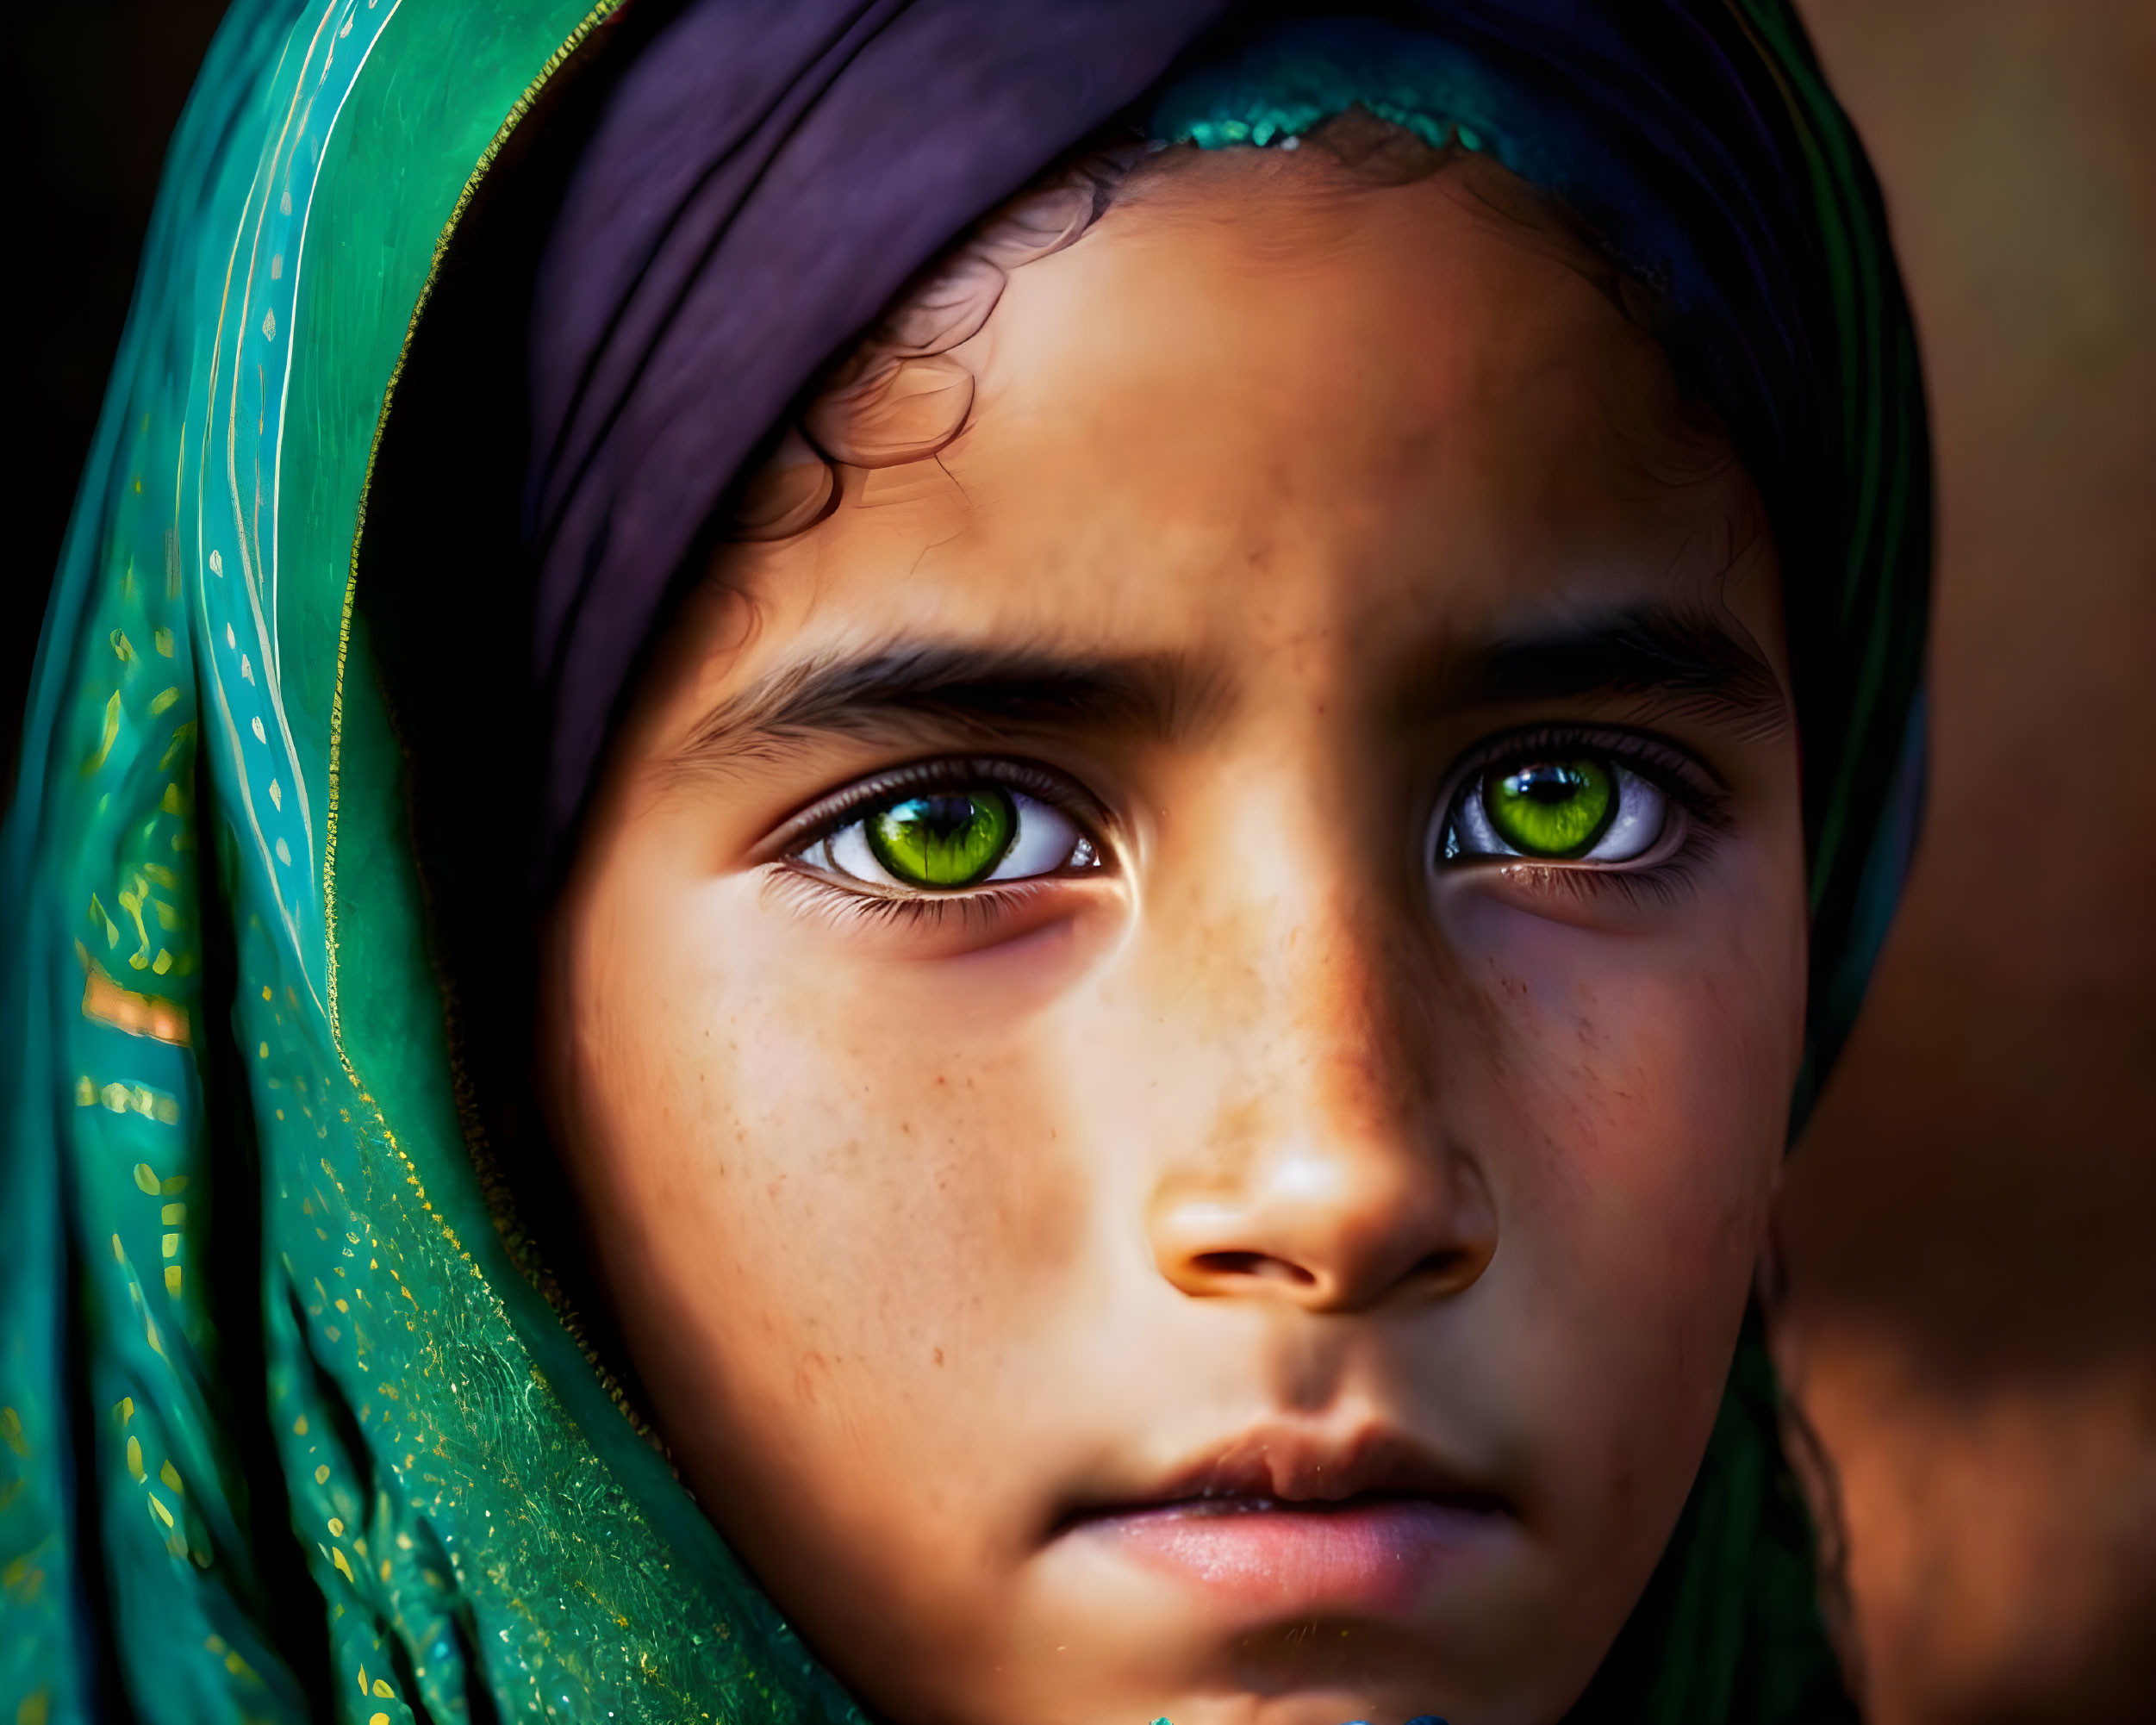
(1449, 1270)
(1260, 1265)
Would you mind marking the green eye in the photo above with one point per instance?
(1551, 808)
(949, 838)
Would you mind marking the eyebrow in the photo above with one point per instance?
(1678, 661)
(990, 689)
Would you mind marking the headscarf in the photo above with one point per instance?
(287, 1425)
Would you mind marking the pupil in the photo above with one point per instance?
(940, 819)
(1549, 785)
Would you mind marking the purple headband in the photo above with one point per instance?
(760, 182)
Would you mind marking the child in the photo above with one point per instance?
(1135, 966)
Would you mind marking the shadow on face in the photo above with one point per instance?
(1176, 1024)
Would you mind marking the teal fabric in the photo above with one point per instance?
(253, 1288)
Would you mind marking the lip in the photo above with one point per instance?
(1280, 1521)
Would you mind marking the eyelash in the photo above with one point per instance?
(1698, 795)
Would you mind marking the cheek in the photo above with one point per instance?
(1652, 1058)
(1630, 1096)
(827, 1187)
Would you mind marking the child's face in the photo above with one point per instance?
(1258, 1253)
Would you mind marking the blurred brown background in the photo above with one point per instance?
(1971, 1229)
(1972, 1220)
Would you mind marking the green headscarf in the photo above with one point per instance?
(253, 1286)
(471, 1513)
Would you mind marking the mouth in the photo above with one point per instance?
(1281, 1522)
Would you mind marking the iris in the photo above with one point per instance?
(949, 838)
(1551, 808)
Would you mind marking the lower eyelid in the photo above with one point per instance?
(985, 913)
(1662, 884)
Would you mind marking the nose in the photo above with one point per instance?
(1334, 1187)
(1330, 1225)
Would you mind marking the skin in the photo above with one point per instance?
(1273, 1155)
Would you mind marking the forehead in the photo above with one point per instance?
(1258, 397)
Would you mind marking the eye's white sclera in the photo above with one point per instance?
(1642, 814)
(1643, 817)
(1046, 840)
(847, 852)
